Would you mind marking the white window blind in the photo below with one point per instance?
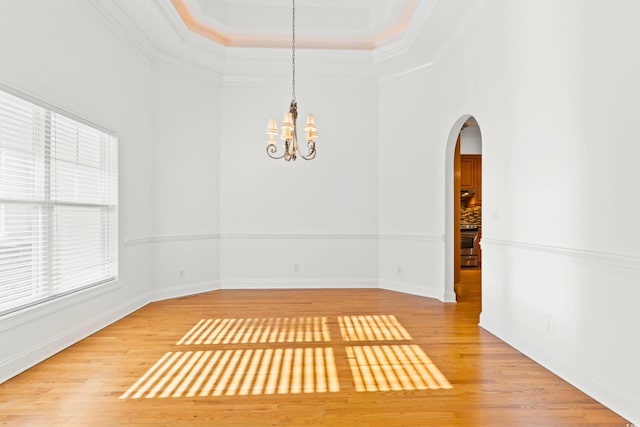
(58, 204)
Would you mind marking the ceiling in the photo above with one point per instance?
(253, 37)
(346, 25)
(324, 24)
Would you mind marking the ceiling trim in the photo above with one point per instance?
(279, 81)
(465, 29)
(390, 35)
(411, 72)
(196, 26)
(119, 23)
(403, 43)
(188, 68)
(200, 54)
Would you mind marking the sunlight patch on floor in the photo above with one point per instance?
(372, 328)
(239, 372)
(257, 331)
(256, 369)
(394, 367)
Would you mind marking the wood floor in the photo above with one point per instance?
(295, 358)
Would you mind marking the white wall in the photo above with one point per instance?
(411, 177)
(61, 53)
(554, 103)
(320, 215)
(186, 179)
(471, 140)
(566, 166)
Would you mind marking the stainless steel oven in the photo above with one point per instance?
(469, 247)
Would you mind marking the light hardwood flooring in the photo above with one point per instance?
(298, 357)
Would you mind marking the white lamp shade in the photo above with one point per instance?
(311, 122)
(272, 127)
(310, 128)
(287, 122)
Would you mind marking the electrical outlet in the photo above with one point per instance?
(550, 328)
(182, 273)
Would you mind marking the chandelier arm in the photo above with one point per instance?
(271, 150)
(312, 151)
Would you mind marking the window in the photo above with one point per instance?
(58, 203)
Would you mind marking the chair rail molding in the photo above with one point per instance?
(165, 238)
(412, 237)
(618, 261)
(133, 241)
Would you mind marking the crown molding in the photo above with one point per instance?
(278, 81)
(125, 27)
(477, 15)
(225, 60)
(170, 14)
(199, 52)
(215, 27)
(206, 74)
(307, 56)
(464, 30)
(121, 25)
(186, 36)
(406, 40)
(254, 81)
(409, 73)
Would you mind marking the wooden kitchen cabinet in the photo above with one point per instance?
(471, 175)
(467, 173)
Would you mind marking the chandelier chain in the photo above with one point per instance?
(293, 50)
(289, 124)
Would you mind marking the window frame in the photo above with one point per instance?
(50, 204)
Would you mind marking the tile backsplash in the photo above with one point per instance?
(471, 215)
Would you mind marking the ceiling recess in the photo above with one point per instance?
(323, 24)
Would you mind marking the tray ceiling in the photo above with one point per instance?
(325, 24)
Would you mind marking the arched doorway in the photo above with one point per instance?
(462, 204)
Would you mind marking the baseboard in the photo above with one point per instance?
(411, 288)
(184, 290)
(621, 404)
(450, 296)
(298, 283)
(43, 350)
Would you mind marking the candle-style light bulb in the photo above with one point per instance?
(310, 128)
(272, 131)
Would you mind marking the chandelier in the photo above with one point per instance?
(289, 129)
